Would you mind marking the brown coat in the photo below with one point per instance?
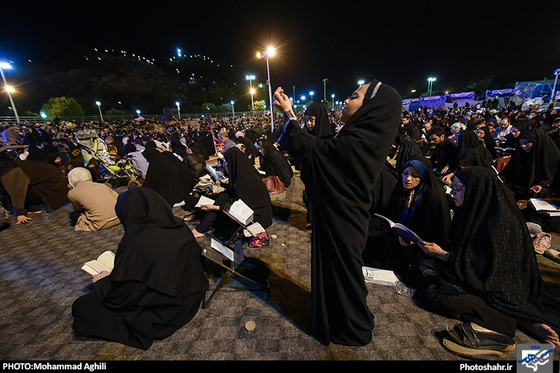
(97, 202)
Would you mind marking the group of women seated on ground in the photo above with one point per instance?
(477, 261)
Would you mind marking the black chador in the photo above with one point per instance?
(340, 174)
(157, 284)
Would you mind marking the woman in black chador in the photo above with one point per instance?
(157, 284)
(491, 280)
(533, 167)
(245, 184)
(273, 163)
(317, 120)
(419, 202)
(340, 175)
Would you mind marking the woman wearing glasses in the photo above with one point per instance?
(491, 280)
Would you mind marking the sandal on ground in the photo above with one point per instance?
(553, 254)
(471, 352)
(473, 336)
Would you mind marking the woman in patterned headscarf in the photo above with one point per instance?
(492, 281)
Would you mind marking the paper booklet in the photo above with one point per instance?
(203, 200)
(403, 231)
(227, 252)
(545, 207)
(105, 262)
(253, 230)
(379, 276)
(240, 211)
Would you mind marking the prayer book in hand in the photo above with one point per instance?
(403, 231)
(105, 262)
(240, 212)
(204, 201)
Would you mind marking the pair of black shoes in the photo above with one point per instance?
(472, 340)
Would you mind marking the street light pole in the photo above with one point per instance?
(99, 107)
(5, 65)
(269, 52)
(122, 112)
(232, 109)
(250, 79)
(556, 73)
(178, 109)
(430, 84)
(325, 89)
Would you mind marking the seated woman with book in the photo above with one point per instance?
(419, 202)
(244, 184)
(273, 163)
(157, 283)
(533, 167)
(490, 278)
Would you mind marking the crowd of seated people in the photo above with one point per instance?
(457, 149)
(490, 161)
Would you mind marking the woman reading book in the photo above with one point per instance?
(157, 283)
(418, 202)
(245, 184)
(491, 280)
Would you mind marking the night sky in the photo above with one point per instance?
(401, 43)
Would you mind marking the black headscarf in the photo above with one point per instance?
(489, 141)
(494, 256)
(408, 149)
(246, 184)
(167, 175)
(157, 248)
(469, 140)
(471, 157)
(273, 163)
(341, 173)
(323, 126)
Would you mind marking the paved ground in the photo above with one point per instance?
(40, 277)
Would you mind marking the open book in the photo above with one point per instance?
(223, 249)
(403, 231)
(105, 262)
(545, 207)
(203, 200)
(241, 212)
(379, 276)
(253, 230)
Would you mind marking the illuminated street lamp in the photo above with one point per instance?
(556, 73)
(332, 96)
(270, 52)
(232, 109)
(311, 94)
(178, 108)
(122, 111)
(250, 78)
(9, 89)
(138, 112)
(361, 82)
(431, 80)
(99, 107)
